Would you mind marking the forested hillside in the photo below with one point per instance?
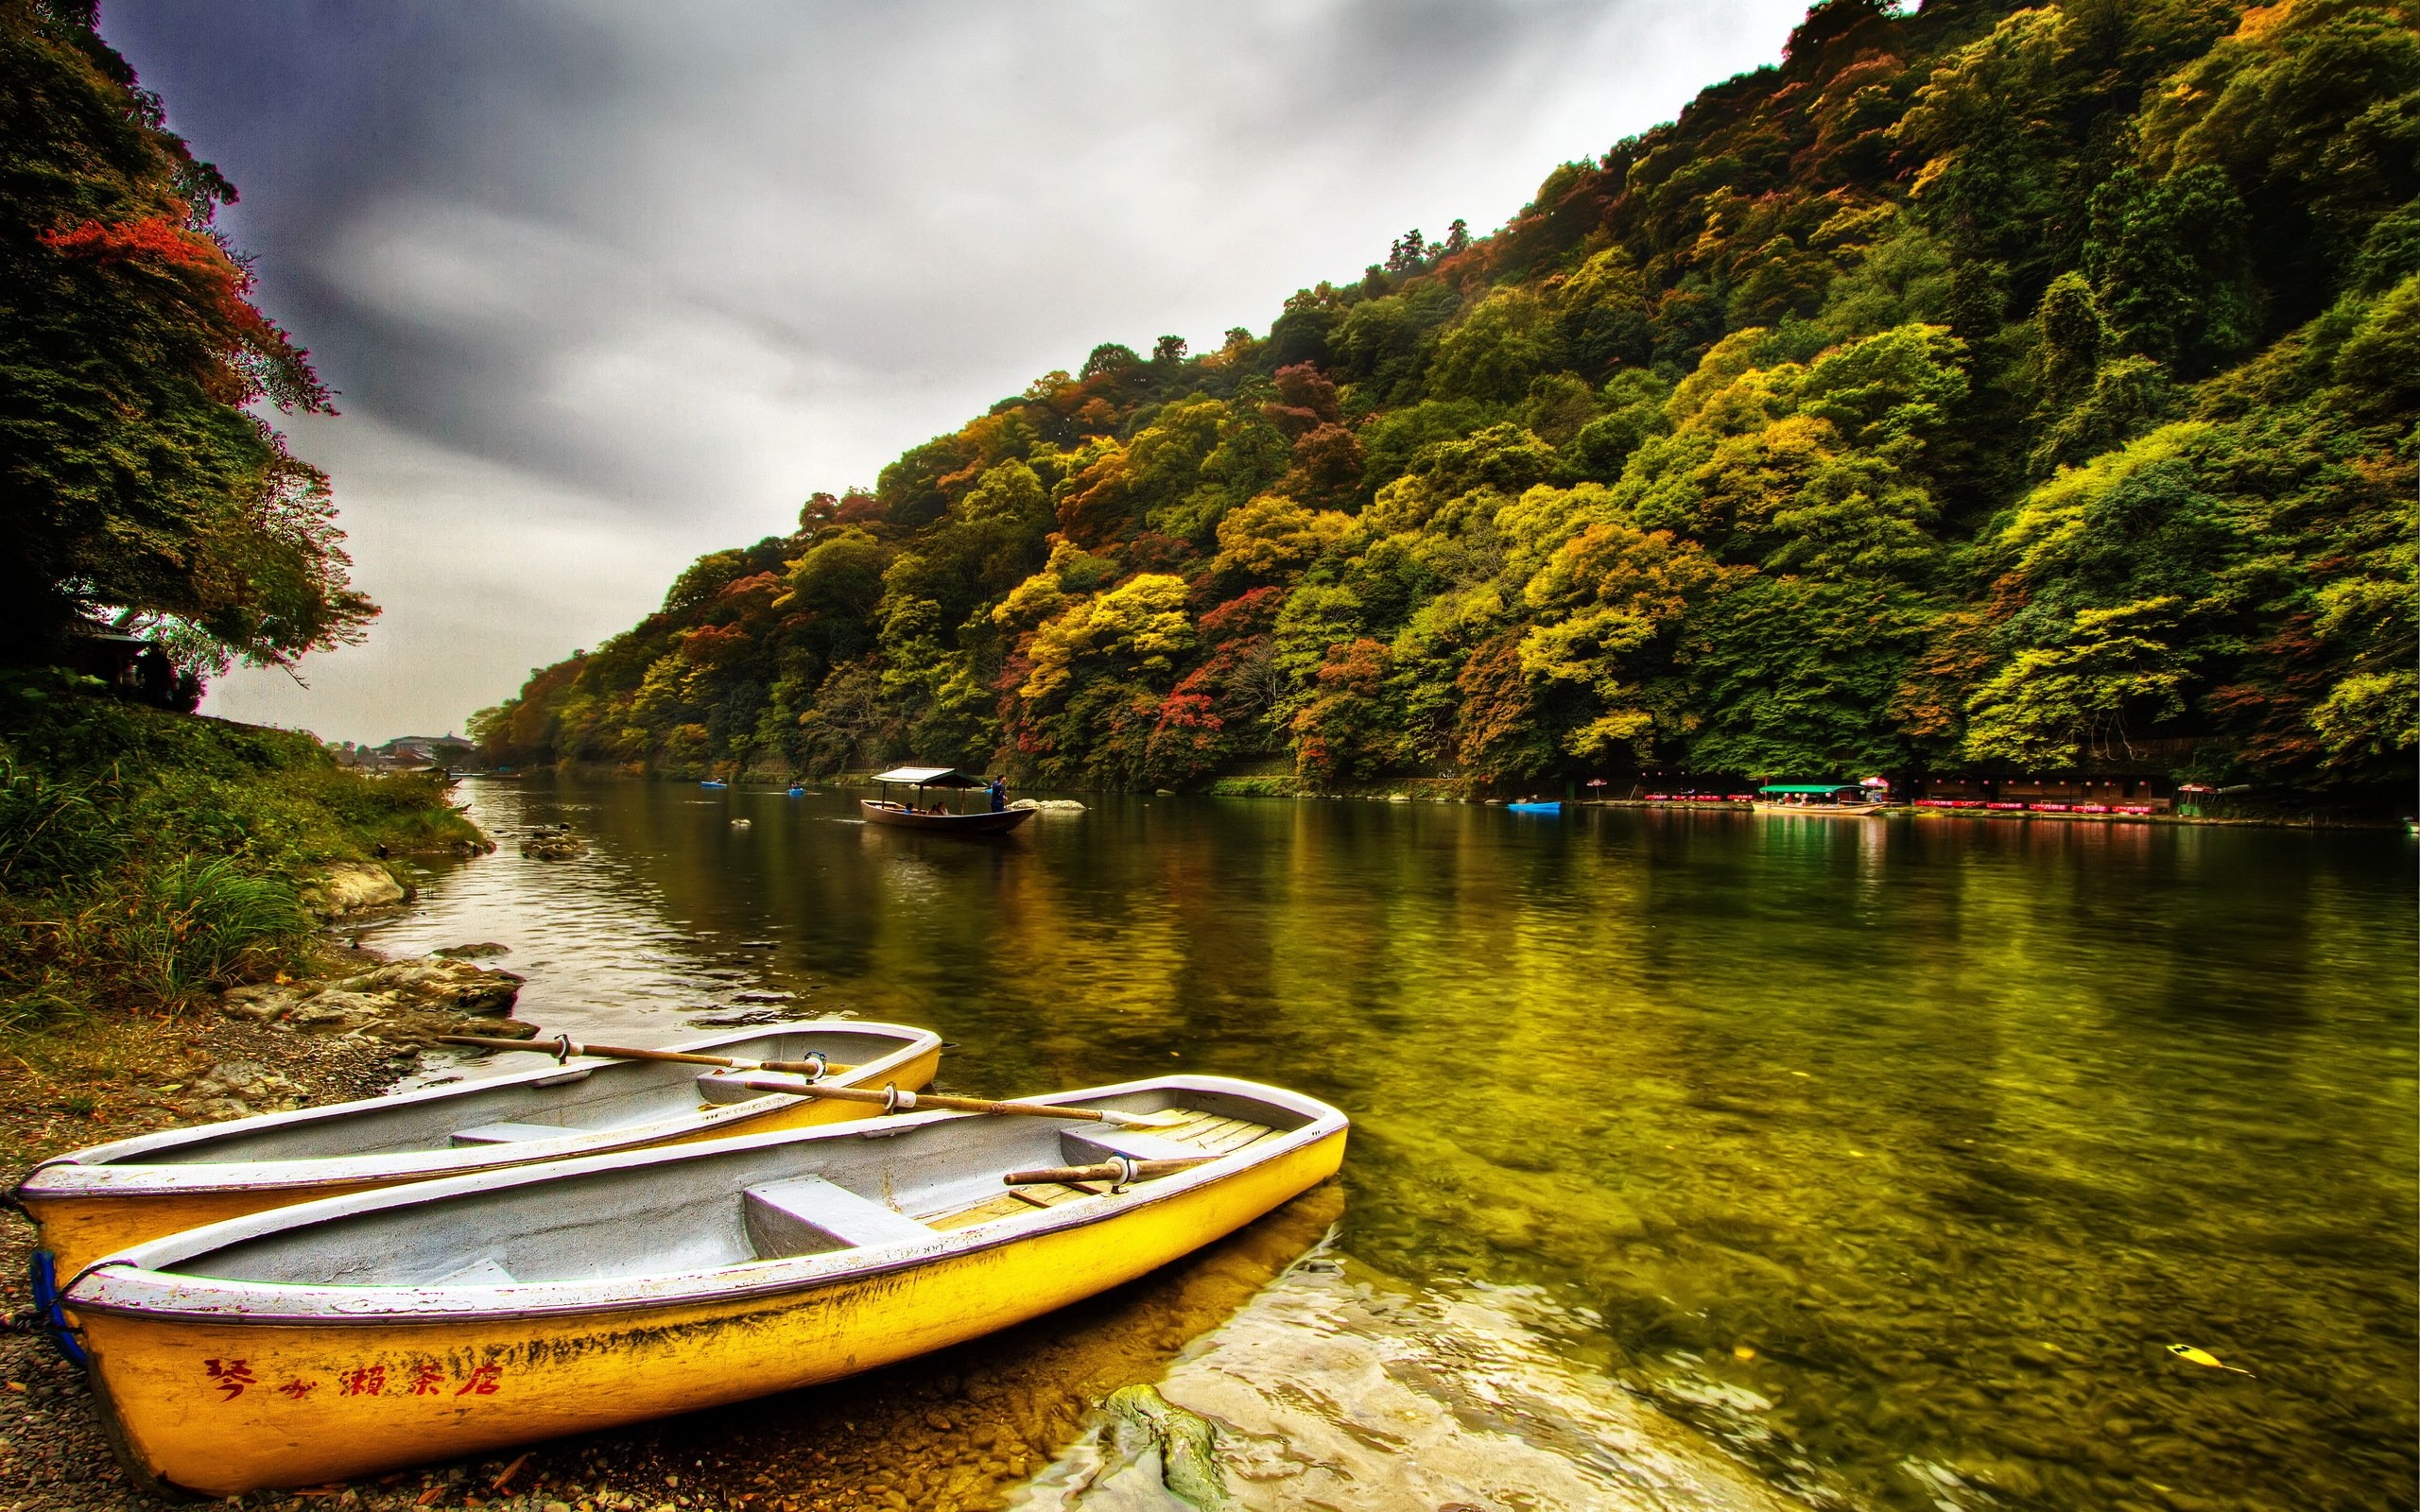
(1981, 388)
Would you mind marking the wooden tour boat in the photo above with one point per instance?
(365, 1333)
(105, 1198)
(913, 814)
(1821, 799)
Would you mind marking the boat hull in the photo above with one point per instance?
(224, 1404)
(987, 822)
(82, 1213)
(1823, 811)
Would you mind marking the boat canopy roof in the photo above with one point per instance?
(1805, 788)
(929, 777)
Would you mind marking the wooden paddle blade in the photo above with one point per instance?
(543, 1047)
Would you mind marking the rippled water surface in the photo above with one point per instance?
(1889, 1155)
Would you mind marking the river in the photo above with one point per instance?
(1885, 1158)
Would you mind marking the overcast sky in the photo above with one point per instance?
(606, 285)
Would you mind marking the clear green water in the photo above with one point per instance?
(1890, 1154)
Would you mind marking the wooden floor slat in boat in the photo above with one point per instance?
(1201, 1131)
(1007, 1205)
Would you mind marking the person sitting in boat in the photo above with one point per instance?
(999, 790)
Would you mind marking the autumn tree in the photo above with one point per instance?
(140, 483)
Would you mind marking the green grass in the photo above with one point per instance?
(1255, 787)
(149, 858)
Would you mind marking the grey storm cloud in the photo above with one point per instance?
(604, 285)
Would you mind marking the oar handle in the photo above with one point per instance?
(483, 1041)
(563, 1047)
(896, 1099)
(1105, 1171)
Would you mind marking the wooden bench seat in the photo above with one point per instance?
(808, 1216)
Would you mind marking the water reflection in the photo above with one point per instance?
(1890, 1153)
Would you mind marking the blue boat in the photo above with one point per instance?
(798, 791)
(711, 782)
(1533, 808)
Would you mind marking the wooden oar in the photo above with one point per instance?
(1106, 1171)
(894, 1100)
(562, 1047)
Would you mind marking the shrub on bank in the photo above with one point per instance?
(147, 858)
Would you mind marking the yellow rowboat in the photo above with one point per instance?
(105, 1198)
(365, 1333)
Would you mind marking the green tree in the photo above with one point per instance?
(2052, 702)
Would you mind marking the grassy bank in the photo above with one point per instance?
(147, 858)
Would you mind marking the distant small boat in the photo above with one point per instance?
(711, 782)
(798, 791)
(385, 1329)
(1533, 808)
(914, 816)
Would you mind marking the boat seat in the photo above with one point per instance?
(808, 1216)
(515, 1133)
(1095, 1145)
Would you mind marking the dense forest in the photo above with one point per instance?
(1982, 389)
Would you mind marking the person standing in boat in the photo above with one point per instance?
(999, 794)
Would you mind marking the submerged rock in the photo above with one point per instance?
(1162, 1442)
(1049, 805)
(561, 845)
(473, 952)
(1336, 1387)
